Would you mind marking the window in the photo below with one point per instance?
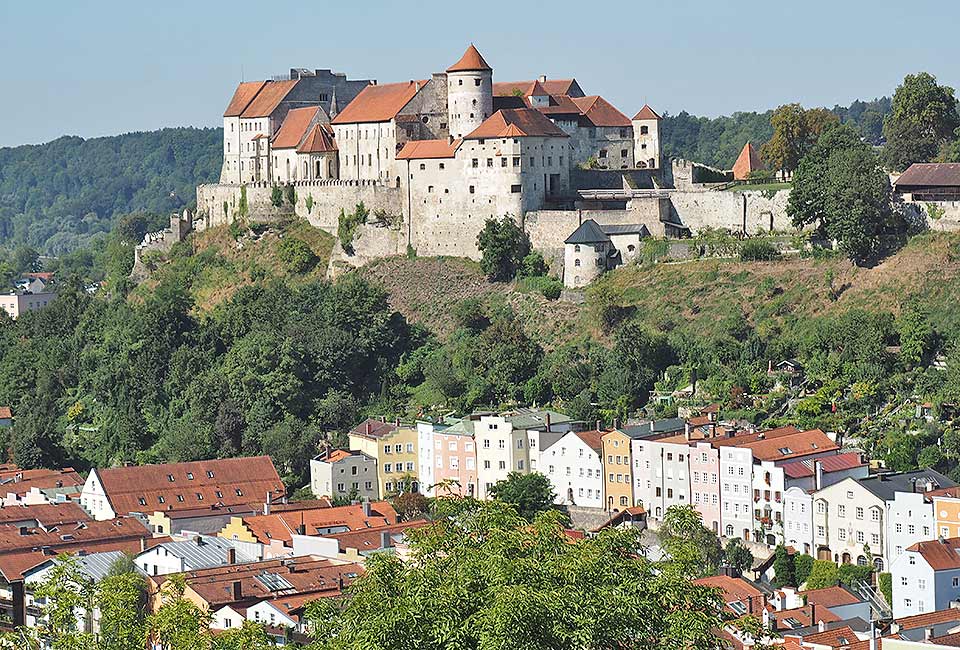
(475, 163)
(516, 161)
(239, 492)
(859, 512)
(409, 466)
(161, 500)
(603, 153)
(473, 189)
(170, 478)
(841, 510)
(860, 537)
(387, 468)
(199, 497)
(422, 166)
(142, 501)
(502, 464)
(515, 189)
(489, 162)
(387, 449)
(476, 82)
(644, 130)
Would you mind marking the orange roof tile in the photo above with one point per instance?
(371, 539)
(646, 113)
(420, 149)
(269, 97)
(242, 97)
(294, 127)
(829, 597)
(804, 443)
(470, 61)
(838, 637)
(734, 590)
(517, 123)
(14, 480)
(46, 514)
(526, 88)
(319, 140)
(748, 161)
(283, 525)
(220, 483)
(930, 618)
(373, 428)
(745, 438)
(939, 554)
(592, 439)
(5, 413)
(802, 615)
(600, 112)
(378, 103)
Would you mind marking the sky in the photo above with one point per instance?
(107, 67)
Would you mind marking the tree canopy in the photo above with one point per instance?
(923, 119)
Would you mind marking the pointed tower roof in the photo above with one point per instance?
(646, 113)
(748, 161)
(334, 107)
(470, 61)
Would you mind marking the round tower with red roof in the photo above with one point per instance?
(469, 93)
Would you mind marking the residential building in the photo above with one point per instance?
(628, 445)
(198, 552)
(853, 515)
(798, 519)
(946, 510)
(574, 468)
(394, 446)
(344, 474)
(661, 467)
(448, 457)
(199, 496)
(36, 486)
(18, 303)
(910, 519)
(926, 577)
(705, 482)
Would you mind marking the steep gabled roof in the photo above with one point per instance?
(421, 149)
(242, 97)
(591, 439)
(886, 486)
(646, 113)
(589, 232)
(379, 103)
(269, 97)
(517, 123)
(940, 554)
(550, 86)
(318, 140)
(470, 61)
(748, 161)
(294, 127)
(373, 429)
(283, 525)
(600, 112)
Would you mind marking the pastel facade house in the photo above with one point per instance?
(448, 458)
(574, 468)
(646, 138)
(854, 514)
(342, 473)
(395, 448)
(642, 461)
(705, 483)
(661, 468)
(592, 249)
(946, 511)
(198, 496)
(910, 519)
(18, 303)
(926, 577)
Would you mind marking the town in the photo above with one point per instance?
(455, 361)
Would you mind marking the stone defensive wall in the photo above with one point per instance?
(750, 212)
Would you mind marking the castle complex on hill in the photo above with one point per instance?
(442, 155)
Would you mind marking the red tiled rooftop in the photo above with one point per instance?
(829, 597)
(591, 439)
(470, 61)
(283, 525)
(939, 553)
(748, 161)
(47, 514)
(319, 140)
(930, 618)
(424, 149)
(379, 103)
(646, 113)
(373, 428)
(269, 97)
(517, 123)
(839, 637)
(835, 463)
(242, 97)
(601, 113)
(555, 87)
(294, 127)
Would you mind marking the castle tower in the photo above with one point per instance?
(646, 138)
(469, 93)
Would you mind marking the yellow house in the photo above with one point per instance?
(237, 530)
(395, 448)
(946, 511)
(617, 475)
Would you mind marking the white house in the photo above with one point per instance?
(574, 468)
(910, 520)
(926, 577)
(200, 552)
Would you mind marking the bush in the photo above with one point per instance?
(503, 246)
(469, 314)
(549, 288)
(276, 196)
(296, 255)
(823, 573)
(802, 566)
(885, 582)
(309, 203)
(758, 250)
(347, 225)
(532, 265)
(290, 193)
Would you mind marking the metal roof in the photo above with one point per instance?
(589, 232)
(204, 552)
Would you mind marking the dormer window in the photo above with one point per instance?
(199, 497)
(170, 478)
(142, 501)
(189, 476)
(239, 492)
(209, 473)
(161, 500)
(180, 498)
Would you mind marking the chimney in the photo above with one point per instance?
(416, 87)
(18, 477)
(818, 474)
(928, 634)
(367, 427)
(24, 531)
(267, 503)
(231, 555)
(750, 604)
(302, 529)
(340, 582)
(813, 615)
(542, 78)
(616, 423)
(199, 540)
(548, 421)
(686, 430)
(386, 539)
(598, 425)
(143, 544)
(712, 416)
(449, 139)
(366, 507)
(236, 590)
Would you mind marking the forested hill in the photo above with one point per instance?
(718, 141)
(57, 196)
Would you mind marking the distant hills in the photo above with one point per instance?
(59, 196)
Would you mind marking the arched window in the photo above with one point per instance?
(651, 163)
(576, 248)
(729, 530)
(623, 501)
(861, 561)
(576, 262)
(878, 564)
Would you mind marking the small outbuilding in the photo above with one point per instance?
(593, 249)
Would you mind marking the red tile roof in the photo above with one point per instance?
(646, 113)
(836, 463)
(592, 439)
(939, 554)
(561, 105)
(470, 61)
(221, 483)
(373, 428)
(839, 637)
(242, 97)
(517, 123)
(5, 413)
(371, 539)
(734, 590)
(600, 112)
(294, 127)
(304, 575)
(794, 445)
(526, 88)
(283, 525)
(745, 438)
(949, 640)
(829, 597)
(269, 97)
(46, 514)
(14, 480)
(930, 175)
(319, 140)
(802, 615)
(378, 103)
(423, 149)
(748, 161)
(930, 618)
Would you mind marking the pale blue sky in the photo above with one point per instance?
(98, 68)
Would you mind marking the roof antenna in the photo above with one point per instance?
(241, 73)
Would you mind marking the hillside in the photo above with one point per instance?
(58, 196)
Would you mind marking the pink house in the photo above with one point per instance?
(455, 460)
(705, 482)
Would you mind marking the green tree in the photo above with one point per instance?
(924, 116)
(783, 569)
(26, 260)
(802, 566)
(249, 636)
(503, 246)
(178, 623)
(530, 493)
(885, 584)
(67, 592)
(296, 255)
(823, 574)
(483, 577)
(122, 600)
(841, 188)
(276, 196)
(795, 131)
(694, 550)
(917, 335)
(737, 555)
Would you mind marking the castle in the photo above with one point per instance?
(444, 154)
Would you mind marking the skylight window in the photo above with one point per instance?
(785, 451)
